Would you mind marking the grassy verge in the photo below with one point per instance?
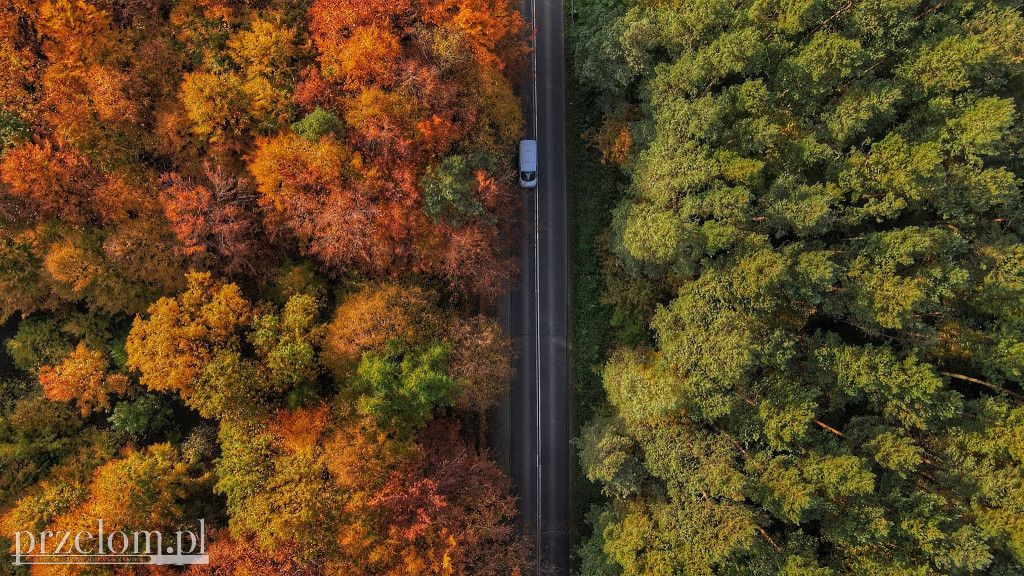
(592, 195)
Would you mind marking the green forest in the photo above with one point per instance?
(249, 254)
(805, 352)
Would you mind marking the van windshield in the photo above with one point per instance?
(528, 176)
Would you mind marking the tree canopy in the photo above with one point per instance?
(813, 267)
(247, 257)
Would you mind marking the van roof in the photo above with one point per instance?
(528, 155)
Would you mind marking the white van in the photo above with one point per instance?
(528, 163)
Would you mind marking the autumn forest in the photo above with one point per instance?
(252, 251)
(248, 251)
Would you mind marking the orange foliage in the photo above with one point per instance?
(54, 183)
(310, 190)
(491, 28)
(76, 33)
(301, 429)
(332, 20)
(352, 218)
(107, 96)
(368, 319)
(217, 221)
(451, 514)
(436, 507)
(359, 456)
(81, 269)
(138, 251)
(72, 266)
(242, 557)
(83, 378)
(471, 260)
(413, 84)
(84, 104)
(19, 65)
(613, 137)
(481, 357)
(289, 168)
(370, 55)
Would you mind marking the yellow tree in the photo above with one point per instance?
(181, 336)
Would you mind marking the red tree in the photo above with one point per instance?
(219, 220)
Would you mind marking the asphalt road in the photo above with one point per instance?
(533, 425)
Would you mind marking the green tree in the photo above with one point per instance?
(449, 189)
(143, 416)
(318, 123)
(38, 343)
(13, 130)
(400, 388)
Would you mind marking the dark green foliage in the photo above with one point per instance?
(13, 130)
(823, 236)
(12, 390)
(449, 190)
(34, 435)
(592, 189)
(146, 415)
(38, 343)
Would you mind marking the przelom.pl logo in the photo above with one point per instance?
(117, 547)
